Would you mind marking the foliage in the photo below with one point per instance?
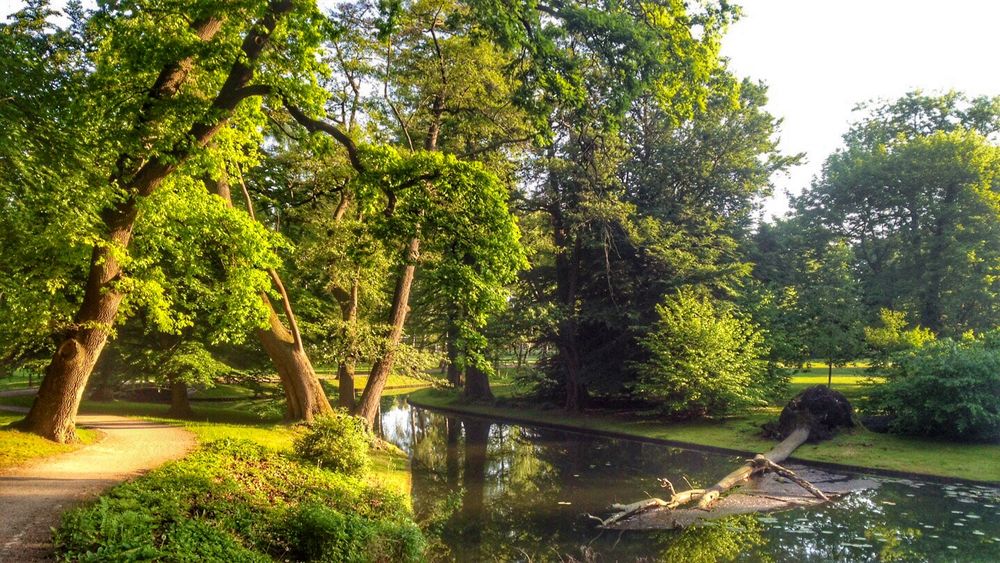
(338, 442)
(238, 501)
(891, 337)
(947, 388)
(705, 358)
(914, 194)
(830, 307)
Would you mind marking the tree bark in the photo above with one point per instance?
(367, 407)
(477, 385)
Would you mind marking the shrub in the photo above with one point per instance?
(238, 501)
(338, 442)
(704, 358)
(945, 388)
(315, 532)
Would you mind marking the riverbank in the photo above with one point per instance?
(859, 449)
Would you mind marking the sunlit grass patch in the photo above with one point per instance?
(18, 448)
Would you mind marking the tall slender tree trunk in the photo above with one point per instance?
(345, 373)
(53, 414)
(367, 407)
(567, 275)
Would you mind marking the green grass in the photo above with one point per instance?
(234, 500)
(18, 381)
(224, 391)
(859, 448)
(18, 448)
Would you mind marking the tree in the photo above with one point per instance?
(832, 318)
(705, 358)
(593, 63)
(201, 64)
(913, 193)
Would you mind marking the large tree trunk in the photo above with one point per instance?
(53, 413)
(304, 396)
(367, 407)
(180, 405)
(477, 385)
(705, 497)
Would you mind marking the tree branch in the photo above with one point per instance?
(317, 126)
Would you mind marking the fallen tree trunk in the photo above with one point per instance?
(705, 497)
(814, 414)
(778, 454)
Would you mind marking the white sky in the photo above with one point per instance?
(822, 57)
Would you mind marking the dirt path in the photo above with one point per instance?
(33, 496)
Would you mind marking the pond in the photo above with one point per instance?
(495, 491)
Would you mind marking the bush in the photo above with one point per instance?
(338, 442)
(946, 388)
(314, 532)
(237, 501)
(705, 359)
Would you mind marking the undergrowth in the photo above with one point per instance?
(235, 501)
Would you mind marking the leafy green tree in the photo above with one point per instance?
(705, 358)
(201, 64)
(914, 194)
(831, 309)
(891, 337)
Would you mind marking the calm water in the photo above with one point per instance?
(501, 492)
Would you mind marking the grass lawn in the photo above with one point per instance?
(17, 448)
(859, 448)
(18, 381)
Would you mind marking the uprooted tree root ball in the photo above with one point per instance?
(821, 409)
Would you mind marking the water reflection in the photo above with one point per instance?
(491, 491)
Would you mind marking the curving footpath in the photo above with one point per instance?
(33, 496)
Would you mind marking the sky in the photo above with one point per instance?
(820, 58)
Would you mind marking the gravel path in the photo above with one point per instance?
(33, 496)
